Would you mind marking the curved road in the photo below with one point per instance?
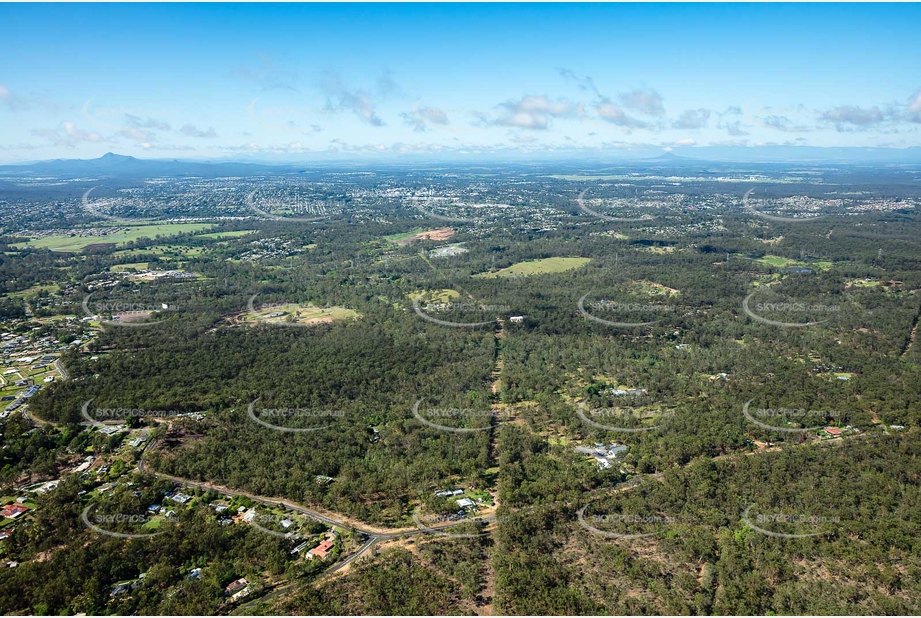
(60, 367)
(372, 536)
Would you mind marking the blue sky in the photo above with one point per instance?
(293, 82)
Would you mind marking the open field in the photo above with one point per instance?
(35, 289)
(235, 234)
(782, 262)
(436, 296)
(299, 314)
(419, 234)
(132, 266)
(166, 251)
(539, 267)
(78, 242)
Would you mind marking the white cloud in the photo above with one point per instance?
(69, 135)
(914, 107)
(692, 119)
(615, 114)
(847, 117)
(686, 142)
(782, 123)
(193, 131)
(533, 112)
(341, 98)
(644, 101)
(420, 118)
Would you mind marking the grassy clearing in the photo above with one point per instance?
(540, 267)
(781, 262)
(134, 265)
(235, 234)
(35, 289)
(77, 242)
(435, 296)
(420, 234)
(403, 235)
(165, 251)
(299, 313)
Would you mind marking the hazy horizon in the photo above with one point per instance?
(295, 82)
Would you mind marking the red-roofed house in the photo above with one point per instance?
(320, 551)
(834, 432)
(13, 510)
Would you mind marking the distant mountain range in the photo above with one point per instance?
(120, 166)
(115, 165)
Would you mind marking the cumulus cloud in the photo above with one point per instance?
(692, 119)
(782, 123)
(734, 128)
(644, 101)
(914, 107)
(341, 98)
(193, 131)
(847, 117)
(686, 142)
(68, 134)
(615, 114)
(420, 118)
(533, 112)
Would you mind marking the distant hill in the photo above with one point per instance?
(115, 165)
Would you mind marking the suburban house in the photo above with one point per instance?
(239, 595)
(447, 493)
(320, 551)
(236, 585)
(122, 587)
(13, 510)
(179, 498)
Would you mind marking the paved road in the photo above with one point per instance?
(60, 367)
